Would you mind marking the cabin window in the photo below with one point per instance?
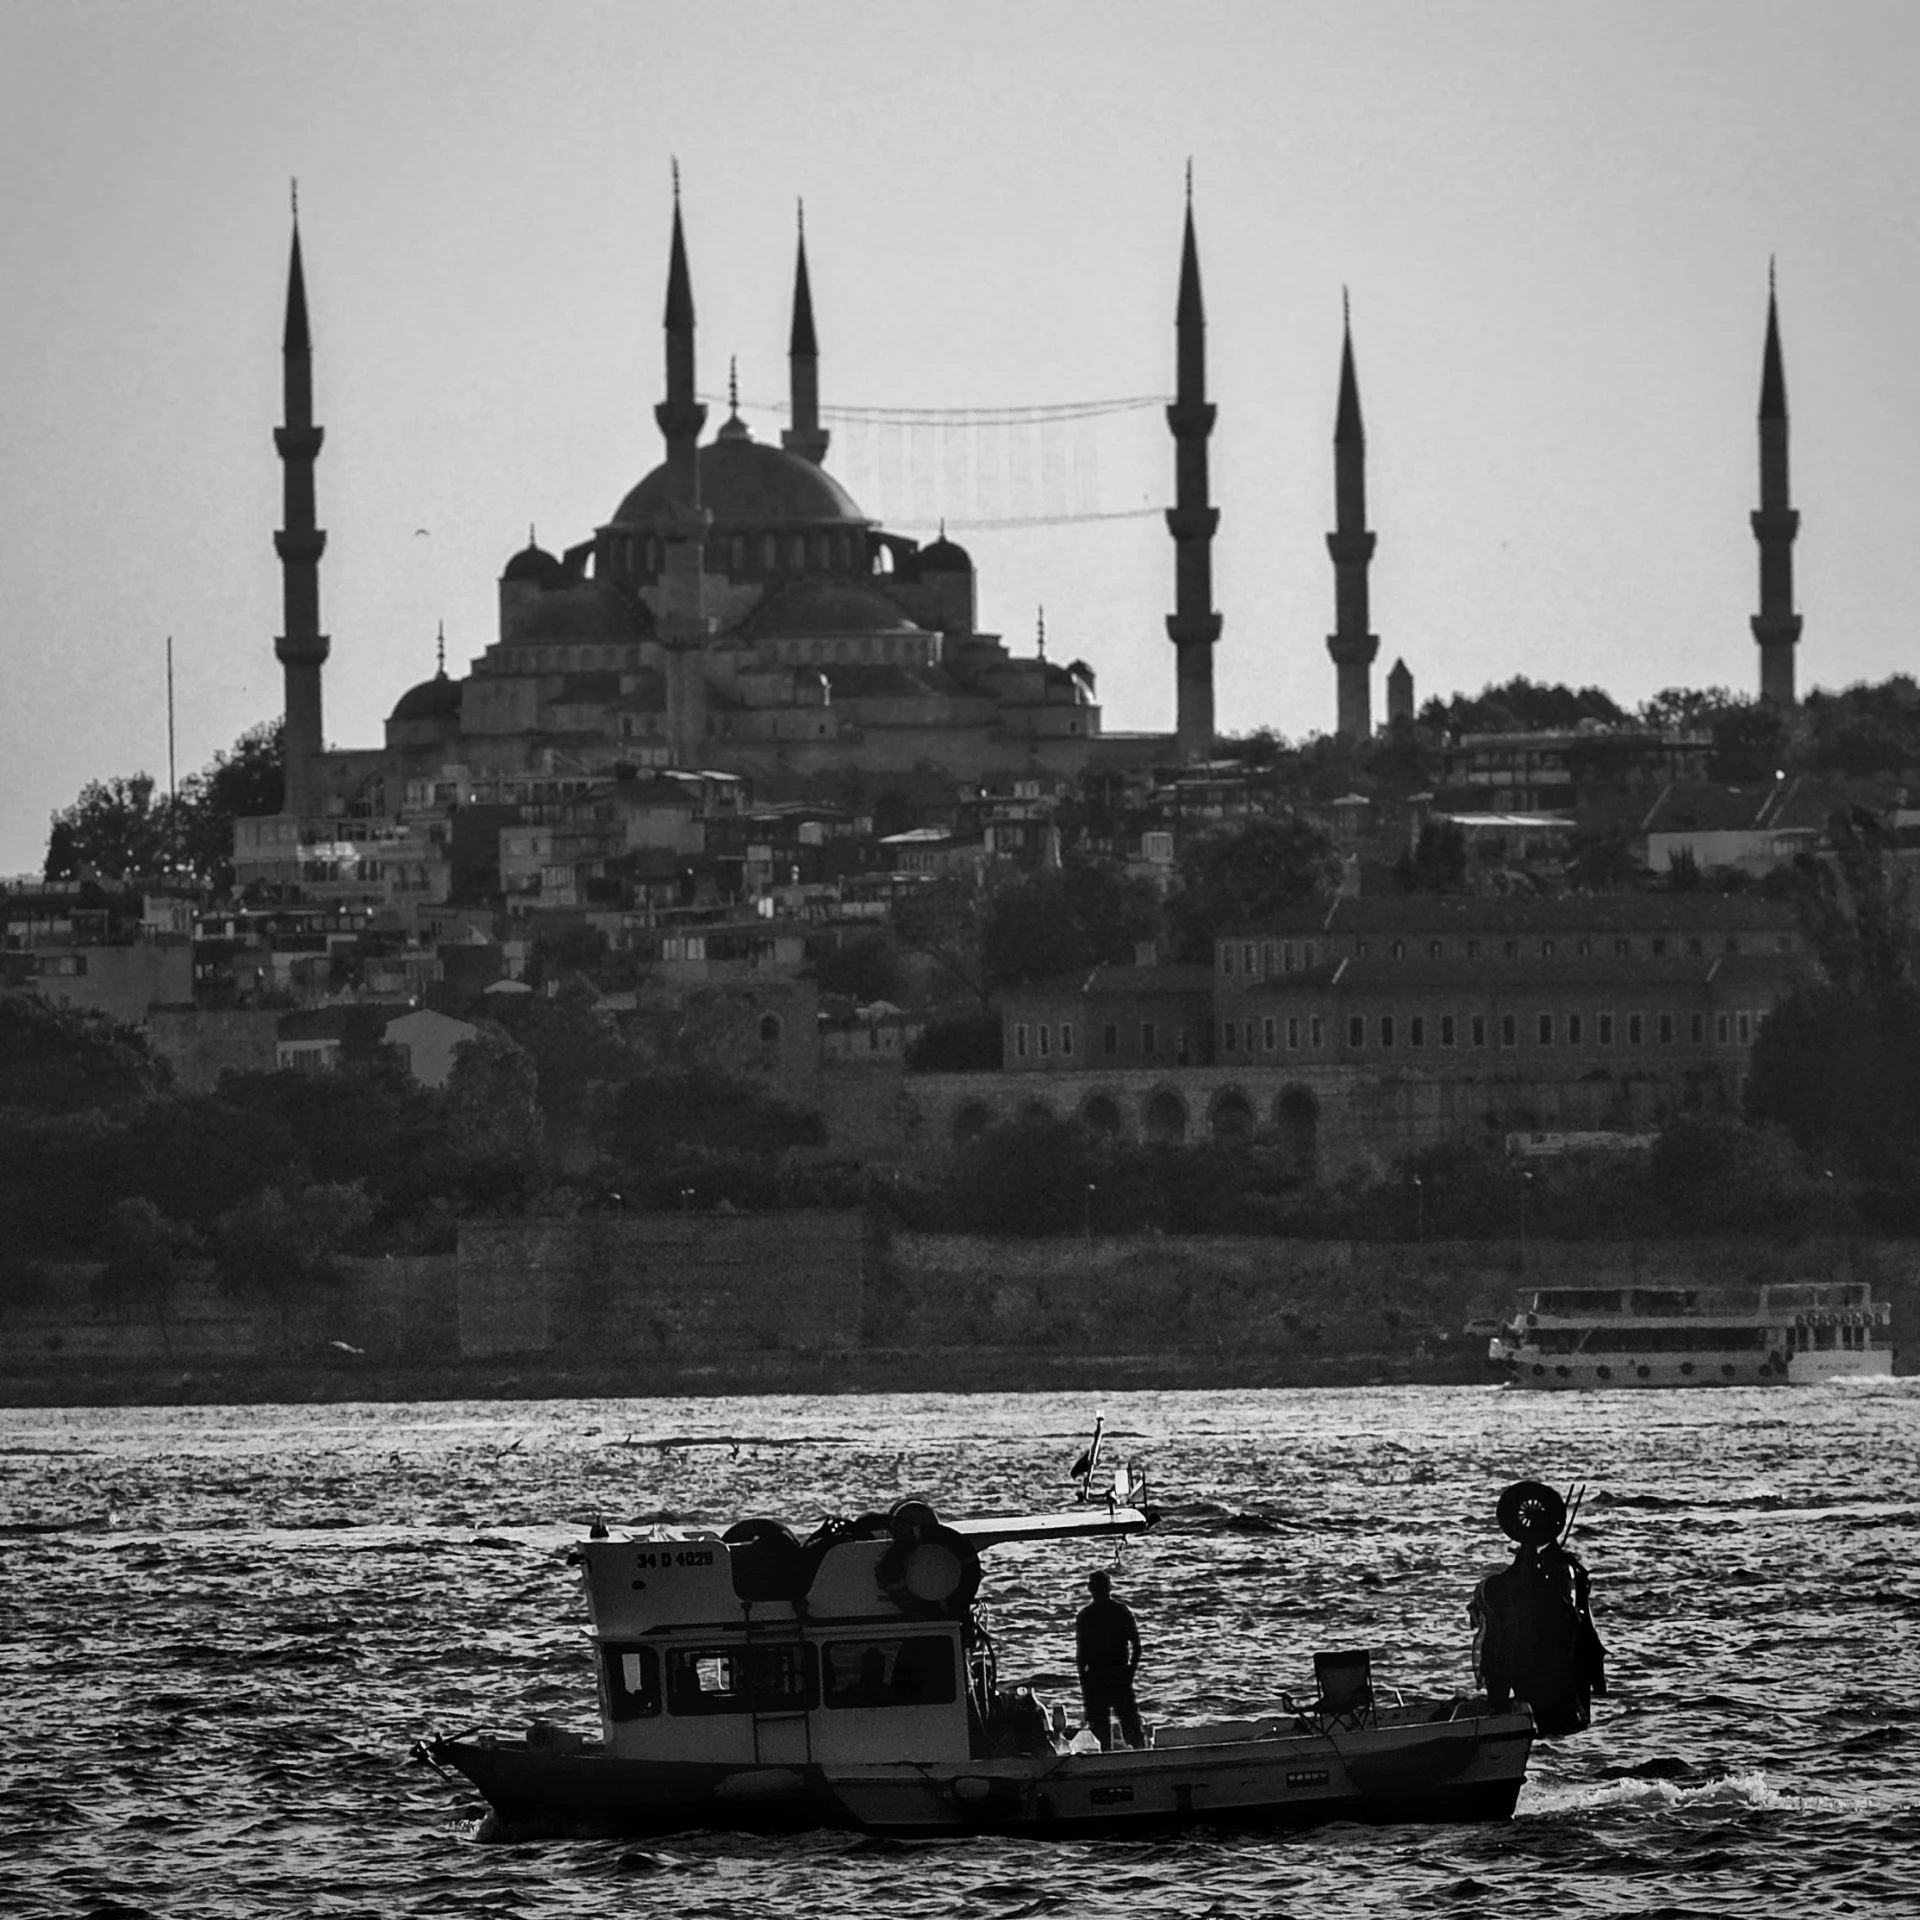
(916, 1672)
(741, 1679)
(633, 1682)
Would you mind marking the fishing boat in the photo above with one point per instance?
(1797, 1333)
(757, 1679)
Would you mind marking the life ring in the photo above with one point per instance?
(1531, 1513)
(929, 1572)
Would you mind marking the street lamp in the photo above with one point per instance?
(686, 1199)
(1526, 1187)
(1419, 1208)
(1086, 1214)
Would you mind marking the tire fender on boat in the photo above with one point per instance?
(929, 1572)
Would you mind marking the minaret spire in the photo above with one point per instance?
(805, 436)
(301, 648)
(1193, 626)
(1776, 627)
(1351, 547)
(681, 621)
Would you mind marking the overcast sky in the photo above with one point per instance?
(1554, 219)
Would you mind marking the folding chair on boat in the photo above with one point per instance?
(1344, 1681)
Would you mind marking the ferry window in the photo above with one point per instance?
(1109, 1038)
(633, 1682)
(1356, 1031)
(1479, 1029)
(740, 1679)
(888, 1673)
(1314, 1033)
(1446, 1029)
(1636, 1028)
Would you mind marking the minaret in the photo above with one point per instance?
(1193, 626)
(302, 648)
(1776, 627)
(805, 437)
(1351, 546)
(681, 622)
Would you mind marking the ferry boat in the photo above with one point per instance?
(753, 1679)
(1794, 1333)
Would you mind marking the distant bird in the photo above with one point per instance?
(420, 533)
(344, 1347)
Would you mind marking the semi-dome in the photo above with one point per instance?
(534, 563)
(435, 699)
(831, 607)
(744, 483)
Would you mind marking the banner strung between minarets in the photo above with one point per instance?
(301, 648)
(1193, 626)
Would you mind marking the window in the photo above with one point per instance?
(1697, 1028)
(1146, 1039)
(1110, 1039)
(1020, 1040)
(1636, 1029)
(1657, 946)
(1743, 1027)
(1509, 1030)
(1306, 953)
(1315, 1033)
(1622, 949)
(1478, 1029)
(1666, 1029)
(1356, 1032)
(916, 1672)
(633, 1682)
(1733, 943)
(1695, 944)
(1582, 948)
(1446, 1029)
(1399, 949)
(1286, 955)
(1066, 1038)
(770, 1030)
(1386, 1029)
(1266, 960)
(1435, 948)
(741, 1679)
(1360, 949)
(1575, 1029)
(1510, 949)
(1473, 949)
(1229, 1030)
(1226, 957)
(1546, 1030)
(1293, 1034)
(1268, 1033)
(1043, 1035)
(1546, 949)
(1416, 1031)
(1247, 957)
(1720, 1025)
(1604, 1024)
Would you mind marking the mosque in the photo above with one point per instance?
(738, 613)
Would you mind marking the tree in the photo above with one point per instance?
(1234, 876)
(56, 1059)
(493, 1097)
(865, 968)
(285, 1241)
(1438, 861)
(137, 1239)
(942, 919)
(1068, 920)
(1521, 706)
(116, 828)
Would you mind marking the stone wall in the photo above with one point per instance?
(201, 1046)
(682, 1289)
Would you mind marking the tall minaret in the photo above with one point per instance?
(681, 622)
(805, 437)
(1776, 627)
(1351, 546)
(1193, 626)
(302, 648)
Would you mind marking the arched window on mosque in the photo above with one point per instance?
(797, 552)
(737, 553)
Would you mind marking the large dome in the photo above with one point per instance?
(746, 484)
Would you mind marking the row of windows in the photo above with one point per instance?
(1452, 1030)
(766, 552)
(1256, 959)
(915, 1671)
(1044, 1040)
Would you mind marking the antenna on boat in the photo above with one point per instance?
(1088, 1464)
(1574, 1497)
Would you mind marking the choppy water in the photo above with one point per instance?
(224, 1627)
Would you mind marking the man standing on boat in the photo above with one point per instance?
(1107, 1652)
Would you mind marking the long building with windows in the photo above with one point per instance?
(1360, 1032)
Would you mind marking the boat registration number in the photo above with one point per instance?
(1308, 1777)
(687, 1557)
